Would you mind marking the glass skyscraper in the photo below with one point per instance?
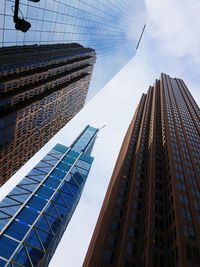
(42, 87)
(112, 28)
(35, 214)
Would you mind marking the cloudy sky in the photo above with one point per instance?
(171, 44)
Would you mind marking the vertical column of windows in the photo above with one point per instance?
(179, 140)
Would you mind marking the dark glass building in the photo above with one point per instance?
(112, 28)
(41, 88)
(151, 212)
(35, 214)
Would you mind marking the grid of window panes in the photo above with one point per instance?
(184, 120)
(36, 212)
(112, 28)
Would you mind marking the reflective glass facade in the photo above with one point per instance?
(110, 27)
(151, 213)
(35, 214)
(41, 88)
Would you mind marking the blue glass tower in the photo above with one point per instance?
(111, 28)
(35, 214)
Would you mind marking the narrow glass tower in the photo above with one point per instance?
(35, 214)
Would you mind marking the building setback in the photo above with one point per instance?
(151, 212)
(35, 214)
(41, 88)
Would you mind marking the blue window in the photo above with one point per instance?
(61, 148)
(73, 186)
(68, 159)
(35, 255)
(73, 154)
(2, 262)
(54, 222)
(42, 224)
(37, 203)
(17, 230)
(65, 189)
(7, 246)
(45, 238)
(51, 211)
(61, 210)
(58, 174)
(45, 192)
(86, 158)
(64, 166)
(27, 215)
(78, 178)
(33, 240)
(50, 159)
(83, 164)
(51, 182)
(58, 199)
(21, 257)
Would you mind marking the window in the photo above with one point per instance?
(108, 256)
(112, 239)
(183, 199)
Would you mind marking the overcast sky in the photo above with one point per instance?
(171, 44)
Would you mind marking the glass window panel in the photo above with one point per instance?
(83, 164)
(2, 262)
(58, 199)
(68, 199)
(17, 230)
(35, 172)
(7, 246)
(74, 188)
(38, 178)
(45, 192)
(65, 189)
(58, 174)
(45, 238)
(51, 211)
(43, 164)
(68, 159)
(21, 257)
(50, 160)
(27, 215)
(33, 240)
(35, 255)
(61, 210)
(64, 166)
(42, 224)
(51, 182)
(3, 222)
(54, 222)
(29, 187)
(86, 158)
(73, 154)
(10, 210)
(21, 198)
(78, 178)
(60, 148)
(37, 203)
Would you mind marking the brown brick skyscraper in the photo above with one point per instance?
(151, 213)
(41, 88)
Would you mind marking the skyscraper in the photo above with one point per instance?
(42, 87)
(35, 214)
(112, 28)
(151, 212)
